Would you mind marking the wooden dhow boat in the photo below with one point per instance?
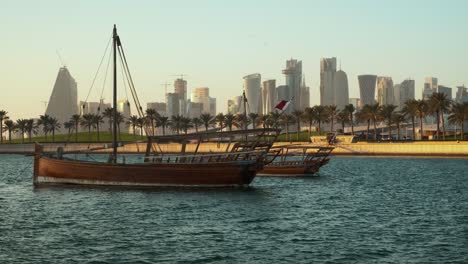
(233, 164)
(236, 165)
(296, 160)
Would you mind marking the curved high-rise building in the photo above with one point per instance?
(293, 74)
(268, 96)
(340, 87)
(367, 88)
(252, 86)
(63, 102)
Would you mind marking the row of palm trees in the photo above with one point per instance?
(437, 105)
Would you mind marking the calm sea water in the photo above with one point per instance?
(360, 210)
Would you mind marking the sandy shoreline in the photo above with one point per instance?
(410, 149)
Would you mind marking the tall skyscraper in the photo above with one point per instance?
(340, 87)
(333, 84)
(385, 94)
(293, 74)
(405, 93)
(194, 109)
(327, 74)
(396, 95)
(63, 102)
(252, 86)
(305, 94)
(202, 95)
(234, 105)
(367, 89)
(445, 90)
(180, 88)
(172, 104)
(462, 94)
(430, 87)
(282, 92)
(268, 96)
(160, 107)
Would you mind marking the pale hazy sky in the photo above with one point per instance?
(218, 42)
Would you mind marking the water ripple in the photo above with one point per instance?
(360, 210)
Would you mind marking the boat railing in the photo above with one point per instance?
(254, 155)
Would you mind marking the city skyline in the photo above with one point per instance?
(156, 52)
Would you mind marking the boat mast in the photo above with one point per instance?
(244, 99)
(114, 139)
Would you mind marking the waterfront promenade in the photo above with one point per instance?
(418, 148)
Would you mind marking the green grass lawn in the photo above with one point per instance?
(82, 137)
(106, 136)
(303, 136)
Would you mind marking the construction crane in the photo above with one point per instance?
(165, 86)
(60, 59)
(181, 75)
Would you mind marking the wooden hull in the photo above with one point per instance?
(54, 171)
(277, 169)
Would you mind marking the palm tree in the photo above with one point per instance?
(332, 111)
(275, 119)
(3, 117)
(176, 122)
(219, 118)
(320, 116)
(11, 127)
(21, 125)
(133, 122)
(438, 105)
(163, 121)
(364, 115)
(69, 126)
(109, 113)
(264, 120)
(186, 124)
(99, 119)
(458, 116)
(342, 117)
(207, 120)
(398, 118)
(286, 120)
(298, 116)
(386, 113)
(120, 119)
(410, 109)
(308, 116)
(349, 109)
(197, 122)
(44, 122)
(242, 121)
(374, 113)
(254, 119)
(88, 122)
(31, 128)
(152, 115)
(229, 120)
(421, 111)
(76, 120)
(141, 122)
(54, 124)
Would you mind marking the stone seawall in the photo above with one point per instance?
(427, 148)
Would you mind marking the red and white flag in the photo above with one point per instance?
(282, 105)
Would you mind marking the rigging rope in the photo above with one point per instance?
(99, 67)
(104, 83)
